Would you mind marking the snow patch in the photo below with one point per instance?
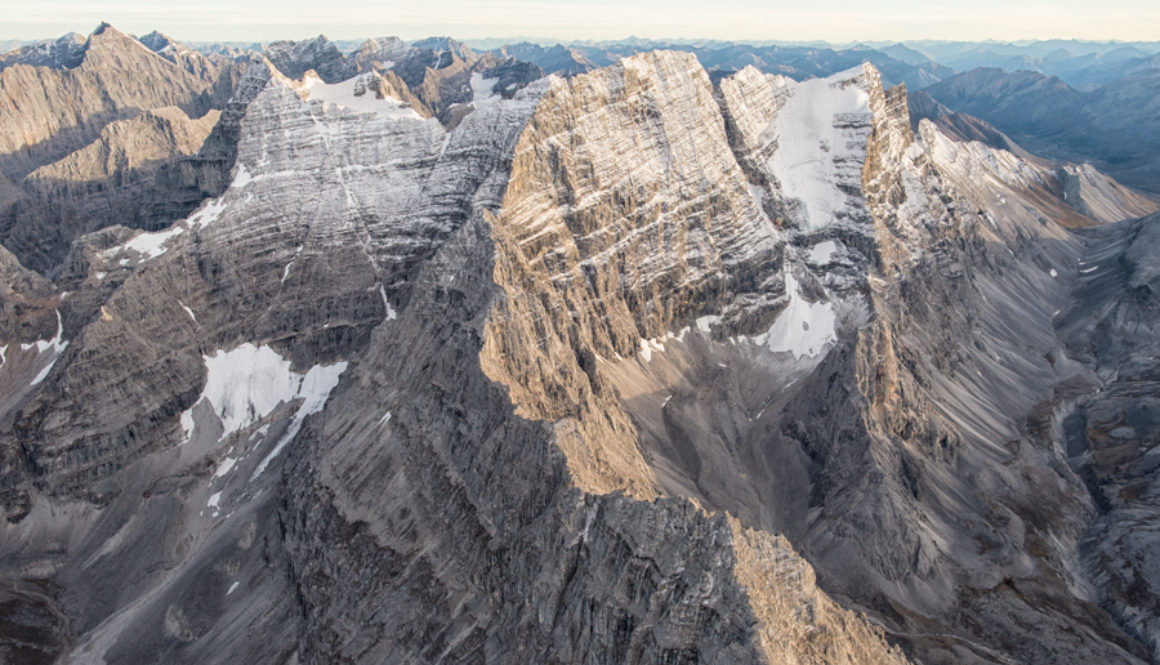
(645, 350)
(148, 245)
(648, 346)
(822, 253)
(242, 177)
(56, 345)
(247, 383)
(232, 588)
(225, 467)
(385, 419)
(812, 141)
(209, 212)
(481, 91)
(657, 345)
(391, 315)
(214, 501)
(356, 95)
(1053, 273)
(704, 322)
(314, 390)
(803, 328)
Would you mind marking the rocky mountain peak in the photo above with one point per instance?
(445, 44)
(157, 41)
(117, 79)
(452, 361)
(107, 46)
(66, 52)
(382, 50)
(294, 58)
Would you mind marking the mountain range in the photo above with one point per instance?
(590, 354)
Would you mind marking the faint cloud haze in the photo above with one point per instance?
(831, 20)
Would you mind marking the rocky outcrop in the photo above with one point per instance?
(1080, 187)
(380, 53)
(649, 243)
(113, 180)
(39, 126)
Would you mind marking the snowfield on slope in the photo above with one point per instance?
(815, 141)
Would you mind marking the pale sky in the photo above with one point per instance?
(784, 20)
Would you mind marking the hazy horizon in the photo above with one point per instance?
(831, 21)
(490, 42)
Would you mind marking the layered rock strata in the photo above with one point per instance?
(626, 367)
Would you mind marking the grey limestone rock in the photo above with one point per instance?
(629, 366)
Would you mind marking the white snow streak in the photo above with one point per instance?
(347, 95)
(481, 91)
(247, 383)
(314, 391)
(391, 315)
(809, 144)
(803, 328)
(187, 311)
(57, 345)
(225, 467)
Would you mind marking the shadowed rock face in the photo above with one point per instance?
(1114, 127)
(625, 367)
(105, 138)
